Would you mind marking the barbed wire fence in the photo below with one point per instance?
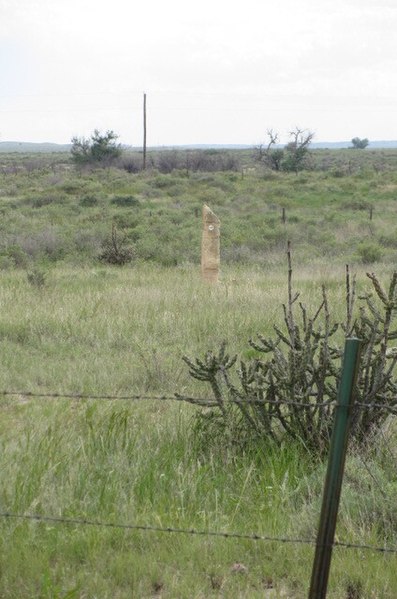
(201, 402)
(189, 531)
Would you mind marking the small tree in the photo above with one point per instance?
(270, 155)
(359, 144)
(99, 149)
(80, 150)
(297, 150)
(293, 157)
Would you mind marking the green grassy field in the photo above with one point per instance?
(97, 329)
(342, 210)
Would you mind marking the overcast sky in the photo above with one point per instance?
(214, 71)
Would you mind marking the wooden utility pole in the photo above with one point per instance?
(144, 131)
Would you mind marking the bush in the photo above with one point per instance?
(355, 204)
(14, 255)
(369, 252)
(86, 241)
(292, 391)
(126, 220)
(131, 165)
(388, 240)
(72, 187)
(125, 201)
(168, 161)
(5, 262)
(100, 149)
(45, 201)
(115, 251)
(46, 243)
(88, 201)
(36, 278)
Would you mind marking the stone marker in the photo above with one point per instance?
(210, 246)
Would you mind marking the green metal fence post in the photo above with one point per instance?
(336, 463)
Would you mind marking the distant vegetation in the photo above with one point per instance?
(341, 206)
(32, 147)
(359, 144)
(294, 157)
(101, 295)
(99, 149)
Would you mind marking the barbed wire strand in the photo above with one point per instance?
(176, 397)
(189, 531)
(83, 396)
(151, 528)
(193, 400)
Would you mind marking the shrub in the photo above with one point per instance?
(293, 390)
(131, 165)
(5, 262)
(88, 201)
(125, 201)
(168, 161)
(36, 278)
(369, 252)
(14, 255)
(115, 250)
(87, 241)
(101, 149)
(338, 172)
(46, 243)
(126, 220)
(388, 240)
(72, 186)
(43, 201)
(355, 204)
(162, 182)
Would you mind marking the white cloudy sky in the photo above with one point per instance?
(214, 71)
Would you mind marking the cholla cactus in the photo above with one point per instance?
(293, 389)
(211, 369)
(376, 384)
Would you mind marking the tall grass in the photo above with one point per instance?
(101, 330)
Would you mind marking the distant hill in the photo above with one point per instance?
(336, 145)
(24, 147)
(27, 147)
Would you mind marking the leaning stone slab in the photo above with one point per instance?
(210, 246)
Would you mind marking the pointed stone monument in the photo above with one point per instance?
(210, 246)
